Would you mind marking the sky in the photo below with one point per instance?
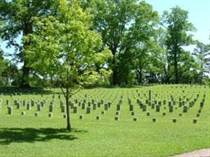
(199, 14)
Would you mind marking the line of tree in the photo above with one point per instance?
(145, 47)
(76, 43)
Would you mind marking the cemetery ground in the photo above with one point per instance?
(153, 121)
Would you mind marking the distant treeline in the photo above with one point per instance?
(133, 43)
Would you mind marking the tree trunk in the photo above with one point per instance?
(28, 29)
(114, 70)
(140, 76)
(176, 68)
(25, 77)
(202, 73)
(177, 53)
(68, 127)
(114, 77)
(166, 73)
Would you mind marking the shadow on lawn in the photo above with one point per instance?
(19, 135)
(25, 91)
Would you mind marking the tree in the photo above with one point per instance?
(119, 22)
(202, 54)
(147, 55)
(178, 29)
(162, 64)
(66, 47)
(188, 68)
(139, 48)
(3, 66)
(9, 73)
(17, 17)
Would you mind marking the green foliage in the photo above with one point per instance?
(66, 47)
(201, 54)
(59, 37)
(178, 35)
(124, 26)
(9, 74)
(17, 15)
(3, 66)
(17, 22)
(189, 68)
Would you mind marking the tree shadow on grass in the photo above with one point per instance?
(25, 91)
(31, 135)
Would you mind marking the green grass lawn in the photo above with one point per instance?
(152, 132)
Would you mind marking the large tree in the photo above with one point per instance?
(202, 56)
(178, 35)
(18, 21)
(122, 25)
(140, 50)
(66, 47)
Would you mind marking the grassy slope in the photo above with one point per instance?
(29, 136)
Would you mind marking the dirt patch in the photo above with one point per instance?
(197, 153)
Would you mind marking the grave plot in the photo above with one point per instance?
(173, 104)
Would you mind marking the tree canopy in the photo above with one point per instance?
(101, 42)
(18, 21)
(178, 35)
(124, 25)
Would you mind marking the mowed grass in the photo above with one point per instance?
(149, 133)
